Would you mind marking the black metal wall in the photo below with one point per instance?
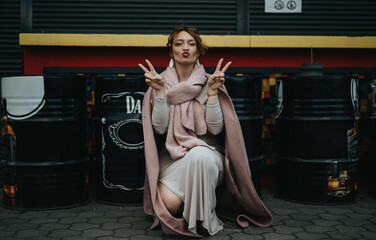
(235, 17)
(10, 27)
(318, 17)
(143, 16)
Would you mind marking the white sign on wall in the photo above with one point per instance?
(283, 6)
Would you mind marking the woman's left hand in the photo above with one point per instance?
(217, 79)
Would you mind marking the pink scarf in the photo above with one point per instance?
(186, 112)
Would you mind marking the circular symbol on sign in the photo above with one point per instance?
(291, 5)
(278, 5)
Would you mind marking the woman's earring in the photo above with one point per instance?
(171, 64)
(198, 63)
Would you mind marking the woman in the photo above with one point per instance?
(192, 177)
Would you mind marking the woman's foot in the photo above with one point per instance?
(201, 229)
(172, 202)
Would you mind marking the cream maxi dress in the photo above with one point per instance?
(194, 177)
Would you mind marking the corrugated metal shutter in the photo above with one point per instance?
(122, 16)
(10, 27)
(318, 17)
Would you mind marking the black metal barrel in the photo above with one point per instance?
(317, 140)
(48, 117)
(120, 161)
(245, 92)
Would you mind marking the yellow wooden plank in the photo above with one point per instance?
(93, 40)
(312, 41)
(226, 41)
(123, 40)
(223, 41)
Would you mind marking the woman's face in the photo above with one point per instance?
(184, 49)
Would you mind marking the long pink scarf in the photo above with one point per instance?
(186, 112)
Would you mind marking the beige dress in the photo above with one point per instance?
(194, 177)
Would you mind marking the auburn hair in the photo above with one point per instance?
(201, 47)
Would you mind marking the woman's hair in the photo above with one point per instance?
(201, 47)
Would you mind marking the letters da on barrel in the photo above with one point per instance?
(119, 157)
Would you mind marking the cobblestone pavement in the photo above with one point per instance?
(104, 222)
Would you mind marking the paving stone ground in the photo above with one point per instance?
(105, 222)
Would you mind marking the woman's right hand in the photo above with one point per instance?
(153, 79)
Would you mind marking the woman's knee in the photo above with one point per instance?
(206, 157)
(172, 202)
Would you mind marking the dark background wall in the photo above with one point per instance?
(326, 17)
(222, 17)
(10, 27)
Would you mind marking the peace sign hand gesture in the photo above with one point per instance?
(153, 79)
(217, 79)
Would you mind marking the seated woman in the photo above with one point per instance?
(192, 177)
